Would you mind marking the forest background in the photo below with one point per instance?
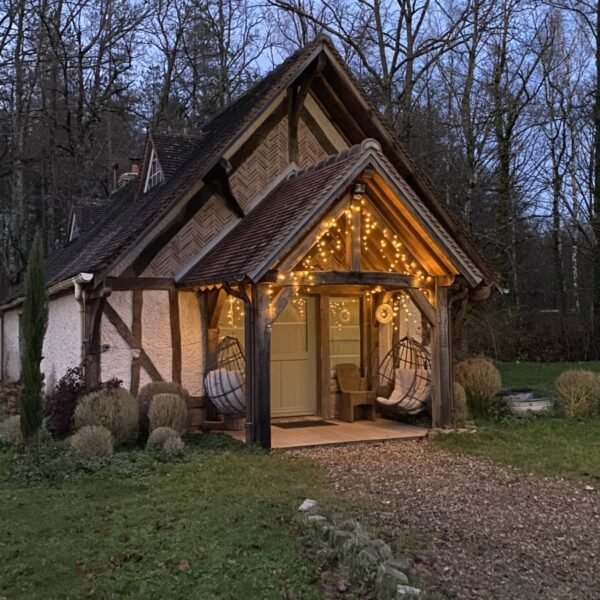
(497, 100)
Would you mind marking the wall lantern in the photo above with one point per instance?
(360, 188)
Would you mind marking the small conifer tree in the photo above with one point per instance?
(34, 320)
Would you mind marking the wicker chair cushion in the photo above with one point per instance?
(225, 390)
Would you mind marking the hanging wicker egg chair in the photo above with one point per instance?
(226, 384)
(403, 384)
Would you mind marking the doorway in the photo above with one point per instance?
(294, 359)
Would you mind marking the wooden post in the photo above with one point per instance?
(323, 364)
(258, 366)
(175, 336)
(211, 305)
(136, 330)
(92, 338)
(442, 369)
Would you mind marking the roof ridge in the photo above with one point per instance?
(355, 150)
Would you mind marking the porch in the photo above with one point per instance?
(336, 265)
(331, 432)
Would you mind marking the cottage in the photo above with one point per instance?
(288, 222)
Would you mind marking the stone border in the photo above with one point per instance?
(358, 549)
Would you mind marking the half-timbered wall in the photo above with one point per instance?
(309, 149)
(267, 161)
(157, 341)
(193, 236)
(191, 344)
(115, 359)
(262, 166)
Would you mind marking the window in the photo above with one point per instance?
(155, 174)
(344, 331)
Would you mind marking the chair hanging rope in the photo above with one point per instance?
(404, 377)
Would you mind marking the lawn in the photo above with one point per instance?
(539, 376)
(220, 524)
(545, 445)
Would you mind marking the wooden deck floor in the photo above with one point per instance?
(340, 433)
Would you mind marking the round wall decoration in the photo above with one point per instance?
(384, 314)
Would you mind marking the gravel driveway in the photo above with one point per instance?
(495, 532)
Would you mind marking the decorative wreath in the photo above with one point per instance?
(345, 315)
(384, 314)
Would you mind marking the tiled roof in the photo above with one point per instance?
(89, 212)
(131, 212)
(173, 150)
(186, 160)
(285, 210)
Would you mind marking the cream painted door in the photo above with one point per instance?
(294, 360)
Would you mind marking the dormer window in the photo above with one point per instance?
(155, 175)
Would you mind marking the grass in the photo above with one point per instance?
(545, 445)
(539, 376)
(218, 525)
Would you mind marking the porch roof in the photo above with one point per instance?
(294, 207)
(283, 212)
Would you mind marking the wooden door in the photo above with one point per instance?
(293, 360)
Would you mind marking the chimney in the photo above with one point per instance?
(134, 172)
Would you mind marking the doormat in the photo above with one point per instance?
(299, 424)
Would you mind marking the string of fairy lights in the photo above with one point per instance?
(381, 250)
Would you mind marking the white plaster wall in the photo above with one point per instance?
(11, 359)
(116, 361)
(156, 331)
(191, 344)
(62, 343)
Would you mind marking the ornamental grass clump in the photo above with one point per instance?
(167, 439)
(174, 446)
(93, 441)
(461, 409)
(10, 431)
(168, 410)
(160, 435)
(481, 381)
(116, 409)
(145, 398)
(579, 392)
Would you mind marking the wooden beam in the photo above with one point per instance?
(140, 283)
(280, 301)
(258, 367)
(183, 216)
(218, 177)
(319, 135)
(297, 251)
(133, 342)
(257, 138)
(175, 336)
(423, 304)
(442, 398)
(295, 99)
(395, 280)
(92, 338)
(415, 243)
(136, 330)
(356, 234)
(346, 121)
(323, 357)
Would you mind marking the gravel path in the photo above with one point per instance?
(496, 533)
